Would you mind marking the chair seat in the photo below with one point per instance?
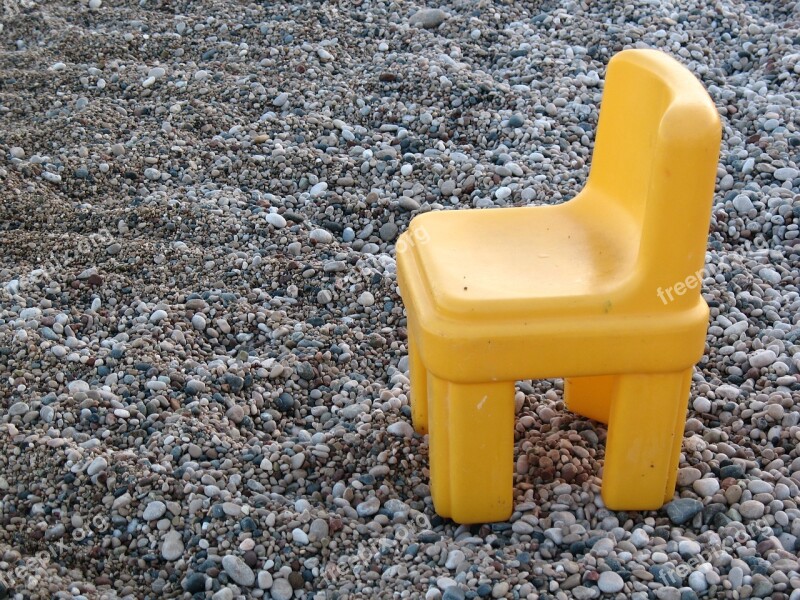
(525, 261)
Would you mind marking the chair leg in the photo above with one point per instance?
(646, 422)
(419, 388)
(439, 443)
(590, 396)
(472, 450)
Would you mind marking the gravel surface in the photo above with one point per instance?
(202, 349)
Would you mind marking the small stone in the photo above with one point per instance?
(408, 203)
(264, 579)
(238, 570)
(429, 18)
(321, 236)
(702, 405)
(318, 530)
(771, 276)
(610, 582)
(299, 537)
(158, 315)
(751, 509)
(500, 589)
(401, 428)
(155, 510)
(172, 546)
(56, 532)
(281, 99)
(276, 220)
(786, 174)
(388, 231)
(318, 189)
(199, 322)
(688, 548)
(639, 538)
(706, 487)
(742, 204)
(453, 593)
(763, 358)
(516, 121)
(454, 558)
(20, 408)
(98, 465)
(281, 589)
(687, 476)
(697, 581)
(447, 187)
(369, 507)
(194, 583)
(682, 510)
(502, 193)
(366, 299)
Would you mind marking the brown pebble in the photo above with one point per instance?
(94, 280)
(250, 558)
(296, 580)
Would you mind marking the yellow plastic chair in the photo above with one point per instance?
(603, 290)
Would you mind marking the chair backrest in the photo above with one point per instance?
(656, 154)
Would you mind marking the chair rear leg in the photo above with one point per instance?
(481, 451)
(419, 387)
(590, 396)
(646, 423)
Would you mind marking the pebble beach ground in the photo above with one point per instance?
(202, 348)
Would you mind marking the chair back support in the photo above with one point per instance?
(656, 155)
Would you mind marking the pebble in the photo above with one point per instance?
(516, 121)
(752, 509)
(318, 530)
(401, 428)
(706, 487)
(454, 558)
(429, 18)
(786, 174)
(281, 590)
(276, 220)
(321, 236)
(154, 510)
(610, 582)
(683, 510)
(172, 546)
(366, 299)
(763, 358)
(369, 507)
(299, 537)
(237, 570)
(98, 465)
(281, 99)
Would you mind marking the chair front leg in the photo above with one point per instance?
(646, 423)
(472, 437)
(419, 387)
